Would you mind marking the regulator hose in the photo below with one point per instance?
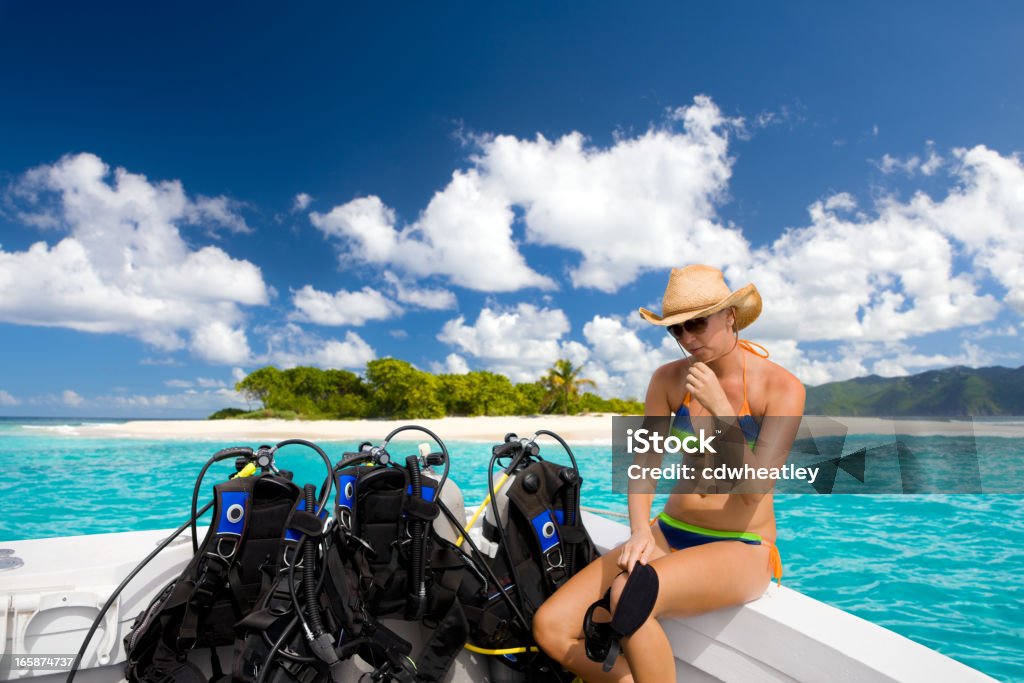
(432, 435)
(325, 489)
(417, 590)
(309, 577)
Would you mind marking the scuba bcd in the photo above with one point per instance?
(535, 541)
(226, 574)
(297, 593)
(391, 554)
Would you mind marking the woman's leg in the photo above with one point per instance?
(558, 624)
(694, 581)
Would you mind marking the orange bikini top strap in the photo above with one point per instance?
(749, 346)
(763, 353)
(759, 351)
(744, 386)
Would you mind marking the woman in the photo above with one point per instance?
(709, 550)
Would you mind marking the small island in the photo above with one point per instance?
(394, 389)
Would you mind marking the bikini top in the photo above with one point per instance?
(682, 426)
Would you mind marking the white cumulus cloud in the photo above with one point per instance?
(640, 204)
(120, 263)
(891, 164)
(895, 275)
(521, 342)
(218, 211)
(897, 271)
(188, 403)
(343, 307)
(907, 360)
(432, 298)
(289, 345)
(620, 362)
(453, 364)
(911, 268)
(928, 166)
(218, 342)
(8, 399)
(460, 223)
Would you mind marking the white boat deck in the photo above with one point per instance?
(784, 636)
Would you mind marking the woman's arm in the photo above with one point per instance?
(657, 412)
(783, 412)
(779, 425)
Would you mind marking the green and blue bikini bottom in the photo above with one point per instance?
(681, 535)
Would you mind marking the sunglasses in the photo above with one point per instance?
(693, 326)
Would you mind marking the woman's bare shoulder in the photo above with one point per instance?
(671, 371)
(783, 384)
(664, 390)
(779, 376)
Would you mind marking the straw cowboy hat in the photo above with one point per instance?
(699, 291)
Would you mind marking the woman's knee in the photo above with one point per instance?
(549, 624)
(618, 583)
(560, 617)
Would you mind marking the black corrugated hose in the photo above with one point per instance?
(417, 589)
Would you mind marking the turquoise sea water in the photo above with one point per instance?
(944, 570)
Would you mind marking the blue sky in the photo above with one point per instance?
(217, 187)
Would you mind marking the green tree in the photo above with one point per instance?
(457, 394)
(346, 394)
(261, 385)
(494, 394)
(563, 383)
(478, 393)
(529, 398)
(398, 390)
(306, 390)
(227, 414)
(395, 389)
(592, 403)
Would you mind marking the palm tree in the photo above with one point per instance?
(563, 385)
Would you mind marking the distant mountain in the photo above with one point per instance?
(952, 392)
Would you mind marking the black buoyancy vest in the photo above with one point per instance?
(274, 610)
(546, 544)
(373, 561)
(219, 586)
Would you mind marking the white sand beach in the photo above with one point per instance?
(583, 428)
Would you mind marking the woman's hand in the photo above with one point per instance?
(703, 385)
(637, 549)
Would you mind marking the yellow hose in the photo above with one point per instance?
(506, 651)
(481, 508)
